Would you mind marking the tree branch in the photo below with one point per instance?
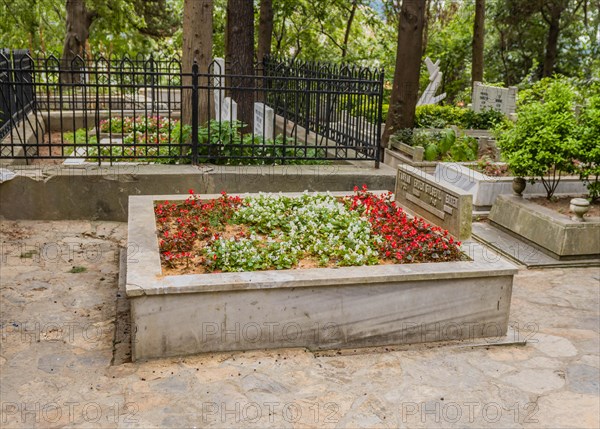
(329, 36)
(348, 28)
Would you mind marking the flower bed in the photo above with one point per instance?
(271, 231)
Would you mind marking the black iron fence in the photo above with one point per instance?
(16, 98)
(147, 110)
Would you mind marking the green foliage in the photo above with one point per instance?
(463, 150)
(450, 35)
(367, 110)
(225, 140)
(79, 137)
(158, 140)
(447, 141)
(432, 152)
(120, 27)
(442, 146)
(588, 134)
(541, 144)
(440, 116)
(320, 226)
(404, 135)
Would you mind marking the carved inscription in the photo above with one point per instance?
(422, 194)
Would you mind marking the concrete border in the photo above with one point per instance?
(58, 192)
(485, 189)
(327, 308)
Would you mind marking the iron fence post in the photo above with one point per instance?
(195, 113)
(379, 152)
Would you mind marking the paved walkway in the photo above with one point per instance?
(58, 303)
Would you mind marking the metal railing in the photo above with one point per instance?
(16, 97)
(147, 110)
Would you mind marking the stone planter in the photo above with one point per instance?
(485, 189)
(399, 152)
(319, 308)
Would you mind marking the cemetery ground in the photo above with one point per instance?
(64, 356)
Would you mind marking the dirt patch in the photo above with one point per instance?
(493, 170)
(123, 325)
(561, 205)
(13, 231)
(54, 146)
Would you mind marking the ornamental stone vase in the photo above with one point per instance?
(579, 206)
(518, 186)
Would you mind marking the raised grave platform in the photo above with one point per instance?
(551, 232)
(522, 252)
(321, 308)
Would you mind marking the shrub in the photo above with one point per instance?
(541, 144)
(588, 134)
(404, 135)
(437, 116)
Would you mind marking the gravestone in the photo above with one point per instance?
(228, 110)
(435, 78)
(441, 204)
(492, 97)
(264, 118)
(219, 92)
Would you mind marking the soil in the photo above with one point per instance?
(491, 171)
(54, 145)
(561, 205)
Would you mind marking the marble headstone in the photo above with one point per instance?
(440, 203)
(492, 97)
(264, 118)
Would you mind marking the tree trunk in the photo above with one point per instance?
(348, 29)
(197, 45)
(78, 23)
(239, 55)
(426, 26)
(552, 41)
(265, 29)
(403, 99)
(478, 42)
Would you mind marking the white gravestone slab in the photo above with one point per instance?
(492, 97)
(264, 118)
(228, 110)
(219, 93)
(435, 78)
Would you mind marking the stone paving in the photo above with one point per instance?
(58, 365)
